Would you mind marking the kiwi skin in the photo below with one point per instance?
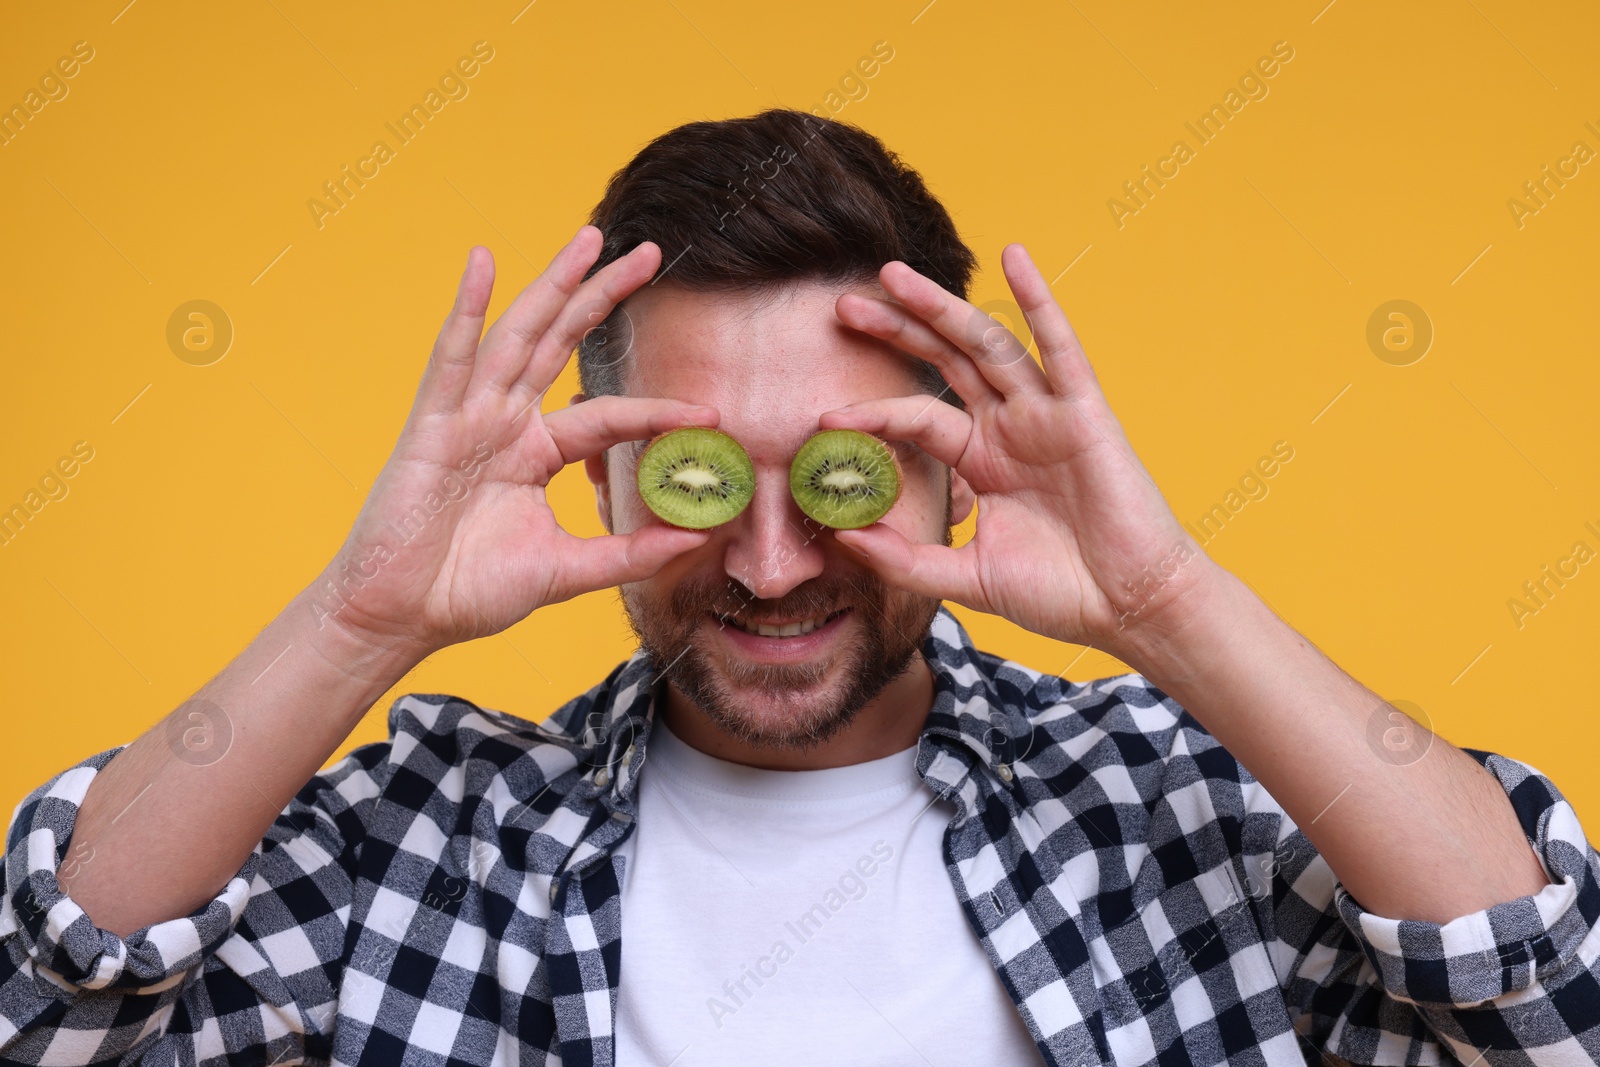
(669, 510)
(804, 496)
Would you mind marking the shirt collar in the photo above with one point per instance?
(968, 719)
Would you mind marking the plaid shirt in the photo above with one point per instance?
(450, 896)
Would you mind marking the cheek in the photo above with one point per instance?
(628, 512)
(919, 513)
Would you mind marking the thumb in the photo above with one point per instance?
(930, 570)
(614, 559)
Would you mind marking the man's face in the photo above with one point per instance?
(772, 363)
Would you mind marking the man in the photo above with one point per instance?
(862, 842)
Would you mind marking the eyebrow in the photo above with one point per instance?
(907, 450)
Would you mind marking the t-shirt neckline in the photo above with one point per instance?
(668, 752)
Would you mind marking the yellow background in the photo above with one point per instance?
(1227, 314)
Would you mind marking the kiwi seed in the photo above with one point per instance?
(696, 477)
(845, 479)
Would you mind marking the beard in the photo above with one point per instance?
(792, 706)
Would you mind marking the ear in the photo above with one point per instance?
(962, 499)
(595, 468)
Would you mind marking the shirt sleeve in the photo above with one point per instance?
(250, 976)
(1516, 983)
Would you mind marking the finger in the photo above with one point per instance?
(505, 348)
(928, 570)
(585, 310)
(892, 323)
(1065, 364)
(939, 429)
(1001, 358)
(444, 383)
(591, 563)
(589, 428)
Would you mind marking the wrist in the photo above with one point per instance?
(314, 618)
(1170, 636)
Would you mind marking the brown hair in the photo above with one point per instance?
(747, 204)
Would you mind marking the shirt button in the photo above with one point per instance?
(555, 886)
(627, 755)
(1005, 772)
(602, 777)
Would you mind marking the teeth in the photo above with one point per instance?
(791, 629)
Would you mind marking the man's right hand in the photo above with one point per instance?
(456, 539)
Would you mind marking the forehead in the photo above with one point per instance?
(770, 361)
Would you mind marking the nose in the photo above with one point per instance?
(773, 547)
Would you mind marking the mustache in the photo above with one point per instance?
(726, 596)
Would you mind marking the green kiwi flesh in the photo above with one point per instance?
(695, 477)
(845, 479)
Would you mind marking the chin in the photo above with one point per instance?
(786, 672)
(784, 706)
(788, 705)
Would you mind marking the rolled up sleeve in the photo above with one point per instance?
(1517, 982)
(53, 936)
(252, 973)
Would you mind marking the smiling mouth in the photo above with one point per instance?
(792, 628)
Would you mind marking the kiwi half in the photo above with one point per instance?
(695, 477)
(845, 479)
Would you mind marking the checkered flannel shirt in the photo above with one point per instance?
(450, 897)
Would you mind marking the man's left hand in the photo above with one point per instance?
(1074, 541)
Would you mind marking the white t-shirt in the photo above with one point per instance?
(800, 917)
